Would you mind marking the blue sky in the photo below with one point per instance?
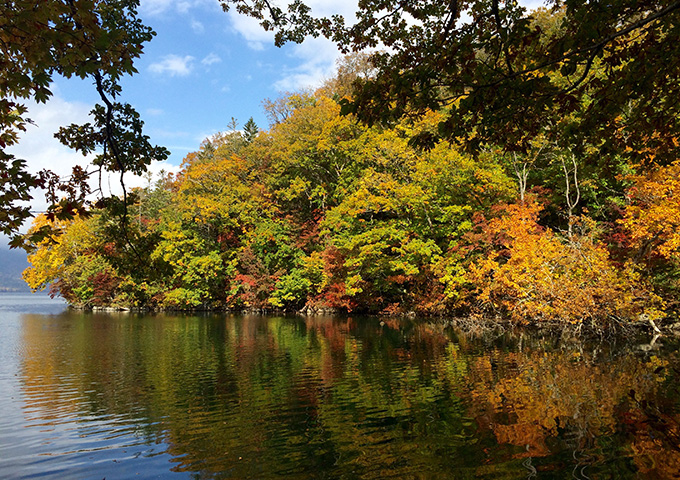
(204, 67)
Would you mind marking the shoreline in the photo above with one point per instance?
(472, 322)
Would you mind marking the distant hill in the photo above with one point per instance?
(12, 263)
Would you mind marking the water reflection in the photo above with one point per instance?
(262, 397)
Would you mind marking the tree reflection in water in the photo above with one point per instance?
(322, 397)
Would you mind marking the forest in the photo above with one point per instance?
(566, 213)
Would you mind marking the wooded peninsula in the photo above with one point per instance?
(485, 182)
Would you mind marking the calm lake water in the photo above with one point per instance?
(88, 396)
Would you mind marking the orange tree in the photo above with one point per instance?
(531, 274)
(652, 222)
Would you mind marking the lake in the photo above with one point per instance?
(119, 396)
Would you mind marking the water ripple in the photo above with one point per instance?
(123, 397)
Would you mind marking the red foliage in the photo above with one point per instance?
(309, 232)
(104, 286)
(62, 289)
(228, 239)
(254, 285)
(335, 296)
(110, 249)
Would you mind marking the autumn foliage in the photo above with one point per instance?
(653, 216)
(323, 213)
(531, 273)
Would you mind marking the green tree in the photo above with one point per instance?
(250, 130)
(397, 230)
(312, 154)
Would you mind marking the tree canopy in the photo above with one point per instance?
(605, 72)
(488, 160)
(322, 212)
(89, 39)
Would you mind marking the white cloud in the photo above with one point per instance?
(38, 147)
(155, 7)
(211, 59)
(183, 6)
(532, 4)
(316, 59)
(156, 168)
(197, 26)
(249, 28)
(313, 60)
(258, 39)
(173, 65)
(110, 181)
(206, 135)
(160, 7)
(333, 7)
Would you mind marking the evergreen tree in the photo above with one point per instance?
(250, 130)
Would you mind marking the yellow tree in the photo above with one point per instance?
(72, 264)
(52, 256)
